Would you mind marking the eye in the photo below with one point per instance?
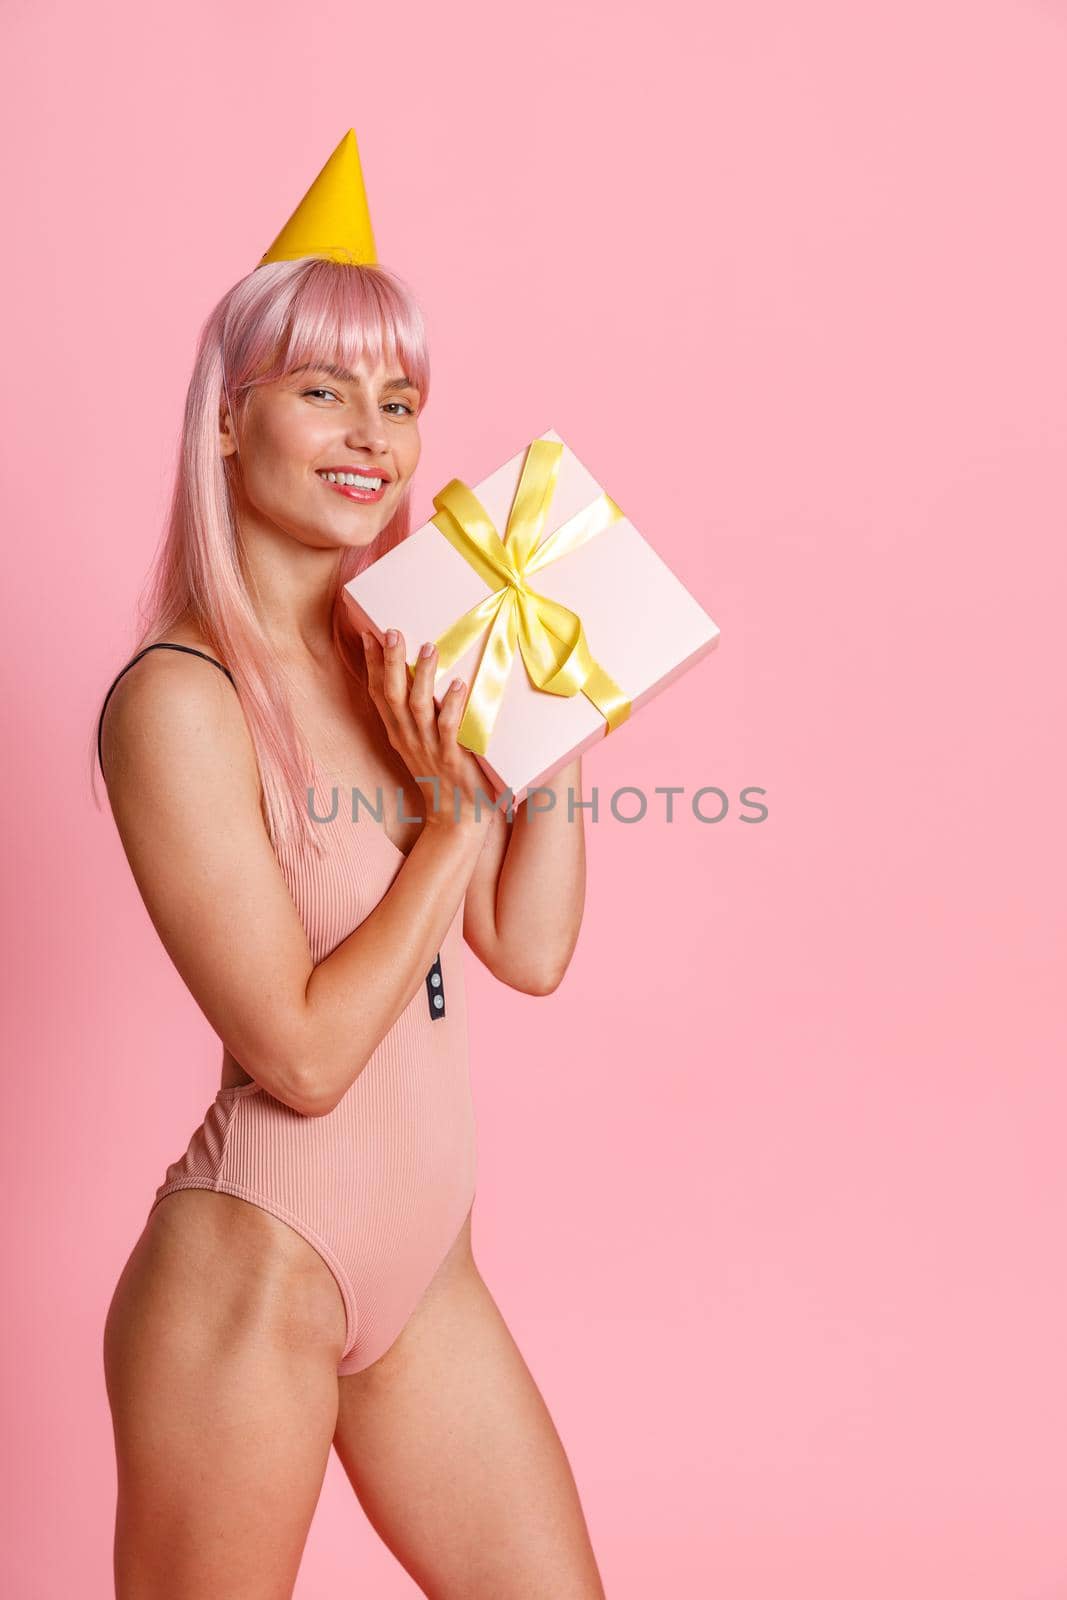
(400, 403)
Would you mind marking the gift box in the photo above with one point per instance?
(545, 599)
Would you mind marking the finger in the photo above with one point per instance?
(459, 758)
(451, 713)
(372, 655)
(395, 682)
(420, 698)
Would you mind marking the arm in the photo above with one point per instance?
(526, 895)
(353, 997)
(184, 791)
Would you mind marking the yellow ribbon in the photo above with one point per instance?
(550, 638)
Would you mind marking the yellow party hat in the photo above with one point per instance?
(332, 220)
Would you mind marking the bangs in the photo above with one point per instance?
(332, 314)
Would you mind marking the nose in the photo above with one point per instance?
(367, 430)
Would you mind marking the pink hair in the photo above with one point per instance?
(280, 316)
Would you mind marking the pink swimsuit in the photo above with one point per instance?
(382, 1184)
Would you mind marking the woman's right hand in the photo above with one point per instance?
(454, 787)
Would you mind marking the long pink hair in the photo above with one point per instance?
(280, 316)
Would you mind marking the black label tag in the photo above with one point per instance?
(435, 989)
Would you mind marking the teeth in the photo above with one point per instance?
(354, 480)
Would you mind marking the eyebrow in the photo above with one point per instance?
(344, 376)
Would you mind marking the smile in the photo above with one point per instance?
(355, 485)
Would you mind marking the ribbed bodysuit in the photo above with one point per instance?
(381, 1185)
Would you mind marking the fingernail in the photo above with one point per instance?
(391, 636)
(457, 683)
(427, 649)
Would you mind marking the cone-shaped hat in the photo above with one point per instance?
(332, 219)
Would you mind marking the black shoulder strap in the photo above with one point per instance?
(159, 645)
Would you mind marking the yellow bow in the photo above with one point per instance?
(550, 637)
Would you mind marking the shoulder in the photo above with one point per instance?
(174, 718)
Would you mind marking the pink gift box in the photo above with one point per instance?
(642, 625)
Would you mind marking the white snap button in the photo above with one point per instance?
(439, 1000)
(435, 979)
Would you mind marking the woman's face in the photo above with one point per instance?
(324, 420)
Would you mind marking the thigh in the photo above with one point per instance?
(220, 1358)
(450, 1448)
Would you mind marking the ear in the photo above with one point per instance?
(227, 440)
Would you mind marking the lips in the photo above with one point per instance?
(363, 496)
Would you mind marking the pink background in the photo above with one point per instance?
(771, 1191)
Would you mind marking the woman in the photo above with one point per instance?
(305, 1275)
